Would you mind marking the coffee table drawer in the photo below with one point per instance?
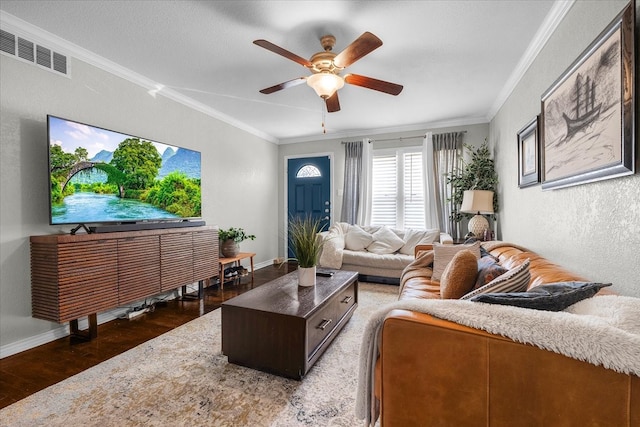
(320, 325)
(345, 300)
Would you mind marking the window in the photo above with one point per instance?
(397, 189)
(308, 171)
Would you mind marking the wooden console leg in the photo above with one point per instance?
(87, 334)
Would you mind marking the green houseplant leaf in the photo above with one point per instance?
(478, 174)
(304, 240)
(235, 234)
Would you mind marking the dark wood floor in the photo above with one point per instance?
(33, 370)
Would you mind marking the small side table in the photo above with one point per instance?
(236, 262)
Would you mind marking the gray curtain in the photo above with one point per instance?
(447, 158)
(352, 181)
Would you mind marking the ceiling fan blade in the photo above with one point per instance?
(362, 46)
(285, 85)
(375, 84)
(333, 104)
(283, 52)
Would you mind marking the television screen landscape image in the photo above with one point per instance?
(101, 176)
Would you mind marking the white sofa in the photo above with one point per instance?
(378, 253)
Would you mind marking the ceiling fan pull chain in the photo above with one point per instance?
(324, 117)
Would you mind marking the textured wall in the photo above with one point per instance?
(239, 170)
(592, 229)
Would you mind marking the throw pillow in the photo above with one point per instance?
(412, 238)
(552, 297)
(488, 269)
(385, 241)
(357, 239)
(459, 276)
(443, 254)
(516, 280)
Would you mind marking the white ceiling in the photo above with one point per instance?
(457, 60)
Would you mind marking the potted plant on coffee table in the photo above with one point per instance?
(230, 241)
(305, 245)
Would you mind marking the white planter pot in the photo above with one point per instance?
(307, 276)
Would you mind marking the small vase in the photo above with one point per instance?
(229, 248)
(307, 276)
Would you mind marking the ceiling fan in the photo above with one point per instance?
(326, 68)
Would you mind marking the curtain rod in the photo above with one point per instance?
(401, 138)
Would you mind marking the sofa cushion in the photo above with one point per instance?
(443, 254)
(369, 259)
(488, 269)
(385, 241)
(551, 297)
(515, 280)
(357, 239)
(459, 276)
(417, 237)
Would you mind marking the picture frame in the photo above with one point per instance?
(588, 120)
(529, 154)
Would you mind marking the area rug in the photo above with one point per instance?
(182, 378)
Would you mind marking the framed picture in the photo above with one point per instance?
(587, 120)
(528, 155)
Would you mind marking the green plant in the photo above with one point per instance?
(304, 239)
(478, 174)
(235, 234)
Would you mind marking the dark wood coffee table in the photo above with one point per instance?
(282, 328)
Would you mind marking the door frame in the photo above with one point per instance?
(285, 219)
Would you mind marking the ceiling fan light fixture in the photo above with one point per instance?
(325, 84)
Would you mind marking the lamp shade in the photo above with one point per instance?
(477, 201)
(325, 84)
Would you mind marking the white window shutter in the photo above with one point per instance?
(384, 190)
(397, 189)
(413, 191)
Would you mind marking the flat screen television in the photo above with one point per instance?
(99, 176)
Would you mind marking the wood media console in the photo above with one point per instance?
(73, 276)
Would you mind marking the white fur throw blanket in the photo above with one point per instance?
(603, 330)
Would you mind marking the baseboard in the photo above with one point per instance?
(263, 264)
(54, 334)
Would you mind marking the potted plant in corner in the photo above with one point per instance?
(305, 245)
(478, 174)
(230, 241)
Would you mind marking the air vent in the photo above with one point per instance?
(7, 42)
(43, 56)
(27, 50)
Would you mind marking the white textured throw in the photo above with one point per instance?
(603, 330)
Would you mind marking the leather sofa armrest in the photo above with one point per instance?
(432, 371)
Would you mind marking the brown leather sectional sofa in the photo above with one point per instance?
(433, 372)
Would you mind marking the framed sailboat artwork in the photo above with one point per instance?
(587, 122)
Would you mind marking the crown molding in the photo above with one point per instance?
(382, 131)
(548, 27)
(24, 29)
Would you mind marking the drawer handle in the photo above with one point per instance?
(325, 322)
(347, 299)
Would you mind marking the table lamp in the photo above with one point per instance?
(479, 202)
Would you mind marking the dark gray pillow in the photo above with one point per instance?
(551, 297)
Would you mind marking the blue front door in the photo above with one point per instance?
(309, 189)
